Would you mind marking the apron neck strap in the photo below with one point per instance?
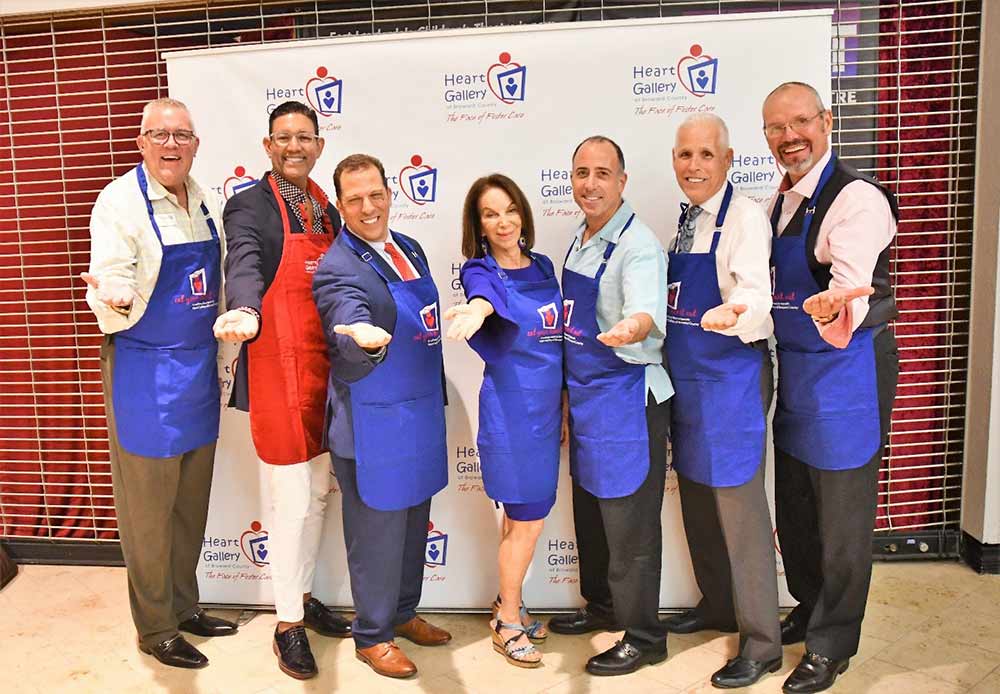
(144, 189)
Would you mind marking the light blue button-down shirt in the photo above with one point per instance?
(635, 281)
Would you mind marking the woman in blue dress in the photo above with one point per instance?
(513, 320)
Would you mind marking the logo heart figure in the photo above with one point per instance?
(423, 191)
(506, 79)
(323, 93)
(433, 552)
(253, 543)
(236, 183)
(697, 72)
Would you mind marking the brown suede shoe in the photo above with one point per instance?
(386, 659)
(423, 633)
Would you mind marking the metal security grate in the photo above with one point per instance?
(905, 86)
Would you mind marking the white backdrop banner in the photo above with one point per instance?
(441, 109)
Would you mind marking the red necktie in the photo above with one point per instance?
(400, 262)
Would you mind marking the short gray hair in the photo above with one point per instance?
(722, 137)
(808, 87)
(162, 103)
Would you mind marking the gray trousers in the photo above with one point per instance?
(730, 539)
(162, 507)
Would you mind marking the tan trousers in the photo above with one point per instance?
(162, 506)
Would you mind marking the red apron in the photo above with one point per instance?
(288, 362)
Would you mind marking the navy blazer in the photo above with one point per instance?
(347, 290)
(254, 241)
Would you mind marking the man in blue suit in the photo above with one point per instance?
(385, 411)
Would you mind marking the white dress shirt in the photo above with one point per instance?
(379, 247)
(742, 261)
(123, 244)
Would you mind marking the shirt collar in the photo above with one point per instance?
(375, 245)
(807, 184)
(714, 203)
(156, 191)
(611, 231)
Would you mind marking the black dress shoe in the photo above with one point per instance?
(691, 621)
(176, 652)
(581, 622)
(793, 628)
(814, 673)
(325, 621)
(294, 655)
(624, 657)
(742, 672)
(204, 624)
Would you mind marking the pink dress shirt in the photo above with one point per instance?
(856, 229)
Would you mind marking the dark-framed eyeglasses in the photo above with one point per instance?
(161, 137)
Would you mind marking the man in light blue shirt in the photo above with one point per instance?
(614, 315)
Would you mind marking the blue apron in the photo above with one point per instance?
(165, 383)
(609, 441)
(398, 409)
(718, 419)
(827, 413)
(520, 402)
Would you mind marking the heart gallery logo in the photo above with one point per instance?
(253, 543)
(698, 72)
(436, 551)
(324, 93)
(418, 181)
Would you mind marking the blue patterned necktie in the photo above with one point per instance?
(685, 239)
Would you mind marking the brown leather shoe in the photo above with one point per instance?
(423, 633)
(386, 659)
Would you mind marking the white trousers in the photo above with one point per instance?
(298, 499)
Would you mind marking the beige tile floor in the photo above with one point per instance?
(930, 628)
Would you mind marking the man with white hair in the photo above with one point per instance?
(718, 322)
(154, 284)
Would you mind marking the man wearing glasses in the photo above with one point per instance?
(276, 233)
(154, 283)
(837, 373)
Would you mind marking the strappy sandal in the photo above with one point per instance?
(534, 629)
(522, 656)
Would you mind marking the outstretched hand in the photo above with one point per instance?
(466, 321)
(111, 290)
(621, 333)
(827, 304)
(366, 335)
(722, 317)
(236, 326)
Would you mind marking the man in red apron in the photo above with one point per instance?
(276, 234)
(381, 316)
(154, 285)
(837, 373)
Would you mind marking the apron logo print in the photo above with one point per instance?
(549, 315)
(253, 542)
(697, 72)
(567, 311)
(198, 284)
(429, 317)
(436, 552)
(673, 294)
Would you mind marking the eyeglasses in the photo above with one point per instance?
(797, 124)
(161, 137)
(285, 139)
